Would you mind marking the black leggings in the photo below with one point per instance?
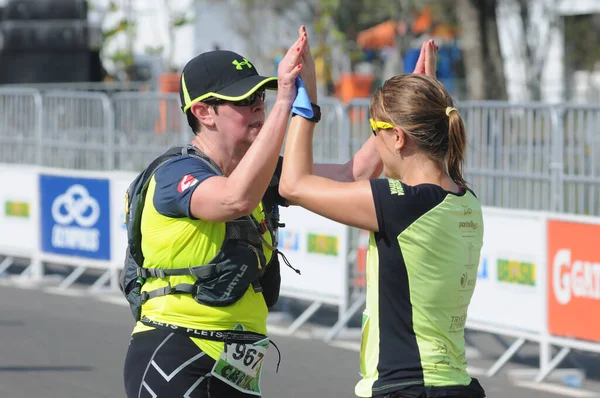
(164, 364)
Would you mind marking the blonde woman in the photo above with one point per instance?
(426, 235)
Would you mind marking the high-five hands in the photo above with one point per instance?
(298, 61)
(289, 69)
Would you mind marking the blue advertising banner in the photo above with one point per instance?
(75, 216)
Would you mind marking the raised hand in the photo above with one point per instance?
(289, 69)
(308, 73)
(427, 62)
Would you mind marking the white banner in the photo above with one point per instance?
(318, 248)
(19, 211)
(510, 290)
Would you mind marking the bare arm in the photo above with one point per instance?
(220, 198)
(349, 203)
(327, 189)
(365, 164)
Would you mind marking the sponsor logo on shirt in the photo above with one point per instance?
(457, 323)
(467, 211)
(468, 224)
(396, 187)
(186, 182)
(467, 281)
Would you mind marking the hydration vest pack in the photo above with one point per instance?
(239, 263)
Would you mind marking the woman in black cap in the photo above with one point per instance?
(208, 233)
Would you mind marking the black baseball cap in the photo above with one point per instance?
(220, 74)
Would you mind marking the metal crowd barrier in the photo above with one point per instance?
(509, 154)
(77, 131)
(580, 174)
(330, 144)
(521, 156)
(146, 124)
(20, 126)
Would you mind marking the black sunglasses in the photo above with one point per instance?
(248, 101)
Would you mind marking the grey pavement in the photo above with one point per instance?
(72, 344)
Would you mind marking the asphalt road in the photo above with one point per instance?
(72, 344)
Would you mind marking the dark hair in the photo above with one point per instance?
(193, 121)
(421, 106)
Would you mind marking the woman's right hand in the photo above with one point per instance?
(288, 70)
(308, 73)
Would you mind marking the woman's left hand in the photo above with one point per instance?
(427, 62)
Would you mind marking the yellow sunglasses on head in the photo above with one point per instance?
(379, 126)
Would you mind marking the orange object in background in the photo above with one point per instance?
(574, 280)
(423, 22)
(167, 83)
(361, 259)
(354, 85)
(379, 36)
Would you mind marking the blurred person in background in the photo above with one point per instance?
(202, 328)
(426, 234)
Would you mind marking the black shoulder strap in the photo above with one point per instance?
(159, 161)
(191, 150)
(142, 180)
(188, 150)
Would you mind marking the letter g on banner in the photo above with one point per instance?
(561, 269)
(77, 205)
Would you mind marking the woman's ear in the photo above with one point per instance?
(399, 139)
(203, 113)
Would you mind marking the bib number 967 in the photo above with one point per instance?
(240, 364)
(249, 356)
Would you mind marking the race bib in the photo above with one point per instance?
(239, 365)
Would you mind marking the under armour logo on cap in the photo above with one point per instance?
(221, 74)
(239, 65)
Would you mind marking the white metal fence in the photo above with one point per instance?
(77, 131)
(145, 125)
(522, 156)
(20, 126)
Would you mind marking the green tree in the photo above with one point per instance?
(175, 21)
(336, 24)
(119, 58)
(536, 24)
(583, 50)
(482, 59)
(123, 26)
